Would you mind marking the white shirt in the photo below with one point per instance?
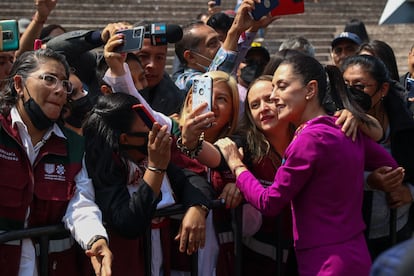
(83, 217)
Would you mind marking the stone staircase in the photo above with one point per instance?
(320, 23)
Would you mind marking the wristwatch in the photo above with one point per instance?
(93, 240)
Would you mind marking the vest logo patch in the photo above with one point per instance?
(55, 172)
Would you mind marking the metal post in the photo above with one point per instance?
(237, 215)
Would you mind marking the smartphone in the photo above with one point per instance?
(218, 2)
(263, 8)
(203, 91)
(133, 39)
(289, 7)
(9, 35)
(145, 115)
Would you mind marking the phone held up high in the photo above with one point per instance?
(286, 7)
(203, 91)
(145, 115)
(9, 35)
(263, 8)
(133, 39)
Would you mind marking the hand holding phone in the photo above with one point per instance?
(202, 91)
(9, 31)
(133, 39)
(145, 115)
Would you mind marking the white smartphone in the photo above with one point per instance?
(202, 91)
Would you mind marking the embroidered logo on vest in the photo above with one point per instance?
(55, 172)
(8, 155)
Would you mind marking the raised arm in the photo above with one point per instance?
(32, 32)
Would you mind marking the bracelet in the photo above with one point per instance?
(238, 167)
(192, 153)
(156, 170)
(203, 207)
(95, 239)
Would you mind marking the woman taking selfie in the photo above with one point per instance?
(321, 175)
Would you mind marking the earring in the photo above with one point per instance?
(307, 98)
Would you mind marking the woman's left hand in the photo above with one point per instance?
(192, 233)
(231, 153)
(348, 121)
(231, 195)
(399, 197)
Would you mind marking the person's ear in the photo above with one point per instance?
(385, 87)
(189, 57)
(18, 84)
(312, 89)
(123, 139)
(106, 89)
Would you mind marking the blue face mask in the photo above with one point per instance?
(205, 68)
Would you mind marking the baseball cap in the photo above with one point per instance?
(346, 36)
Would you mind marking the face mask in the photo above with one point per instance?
(361, 98)
(79, 108)
(205, 68)
(249, 72)
(36, 114)
(142, 148)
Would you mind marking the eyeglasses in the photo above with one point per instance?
(53, 81)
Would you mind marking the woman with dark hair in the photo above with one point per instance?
(321, 175)
(130, 168)
(385, 53)
(43, 180)
(369, 77)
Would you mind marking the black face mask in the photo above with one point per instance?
(142, 148)
(79, 108)
(250, 72)
(36, 115)
(361, 98)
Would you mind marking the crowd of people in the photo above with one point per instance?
(297, 168)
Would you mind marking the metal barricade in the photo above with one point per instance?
(43, 234)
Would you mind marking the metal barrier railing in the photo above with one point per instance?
(43, 234)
